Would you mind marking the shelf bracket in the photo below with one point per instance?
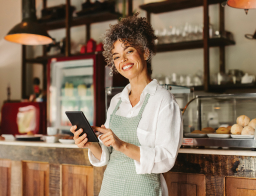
(206, 46)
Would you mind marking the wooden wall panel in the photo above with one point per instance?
(35, 179)
(77, 180)
(240, 186)
(5, 177)
(54, 181)
(98, 177)
(182, 184)
(16, 178)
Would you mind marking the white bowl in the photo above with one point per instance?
(67, 141)
(50, 139)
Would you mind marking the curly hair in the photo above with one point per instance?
(133, 31)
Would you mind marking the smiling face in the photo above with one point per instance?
(129, 61)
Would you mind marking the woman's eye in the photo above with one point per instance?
(130, 51)
(116, 58)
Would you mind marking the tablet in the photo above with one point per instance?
(78, 118)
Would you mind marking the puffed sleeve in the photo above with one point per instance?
(168, 138)
(106, 151)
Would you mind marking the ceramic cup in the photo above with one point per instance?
(51, 131)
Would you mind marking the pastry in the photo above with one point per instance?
(252, 123)
(30, 133)
(222, 130)
(229, 128)
(197, 131)
(2, 138)
(243, 120)
(248, 131)
(236, 129)
(208, 130)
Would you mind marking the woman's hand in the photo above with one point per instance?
(81, 142)
(109, 138)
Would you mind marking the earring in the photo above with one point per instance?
(111, 71)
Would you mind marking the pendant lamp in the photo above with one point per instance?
(29, 31)
(241, 4)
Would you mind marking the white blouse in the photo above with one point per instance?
(159, 131)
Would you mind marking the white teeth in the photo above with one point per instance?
(126, 67)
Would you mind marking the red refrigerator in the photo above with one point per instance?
(76, 84)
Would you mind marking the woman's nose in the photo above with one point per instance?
(123, 58)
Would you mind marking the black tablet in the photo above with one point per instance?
(78, 118)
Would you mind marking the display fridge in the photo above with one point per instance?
(76, 84)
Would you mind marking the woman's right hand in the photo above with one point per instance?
(81, 142)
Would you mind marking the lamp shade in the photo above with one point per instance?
(28, 33)
(242, 4)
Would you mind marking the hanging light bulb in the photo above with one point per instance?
(241, 4)
(29, 31)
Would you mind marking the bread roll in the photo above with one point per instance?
(208, 130)
(229, 128)
(243, 120)
(197, 131)
(236, 129)
(252, 123)
(248, 131)
(222, 130)
(2, 138)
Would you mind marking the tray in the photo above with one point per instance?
(216, 135)
(195, 135)
(28, 137)
(242, 136)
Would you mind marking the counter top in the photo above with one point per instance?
(238, 152)
(38, 144)
(234, 152)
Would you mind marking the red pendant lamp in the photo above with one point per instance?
(242, 4)
(29, 31)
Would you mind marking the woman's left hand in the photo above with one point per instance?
(109, 138)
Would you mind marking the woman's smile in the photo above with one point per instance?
(127, 66)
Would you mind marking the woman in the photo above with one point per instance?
(143, 130)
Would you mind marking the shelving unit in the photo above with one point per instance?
(223, 88)
(67, 23)
(213, 42)
(168, 6)
(81, 20)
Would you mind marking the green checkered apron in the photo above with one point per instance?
(120, 177)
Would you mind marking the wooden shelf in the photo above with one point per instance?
(224, 87)
(82, 20)
(213, 42)
(44, 59)
(167, 6)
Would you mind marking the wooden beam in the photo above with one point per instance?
(149, 17)
(68, 21)
(88, 32)
(23, 73)
(130, 8)
(222, 67)
(44, 4)
(44, 46)
(206, 46)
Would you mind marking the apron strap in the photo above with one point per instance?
(117, 106)
(141, 109)
(144, 104)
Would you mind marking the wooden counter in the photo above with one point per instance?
(39, 168)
